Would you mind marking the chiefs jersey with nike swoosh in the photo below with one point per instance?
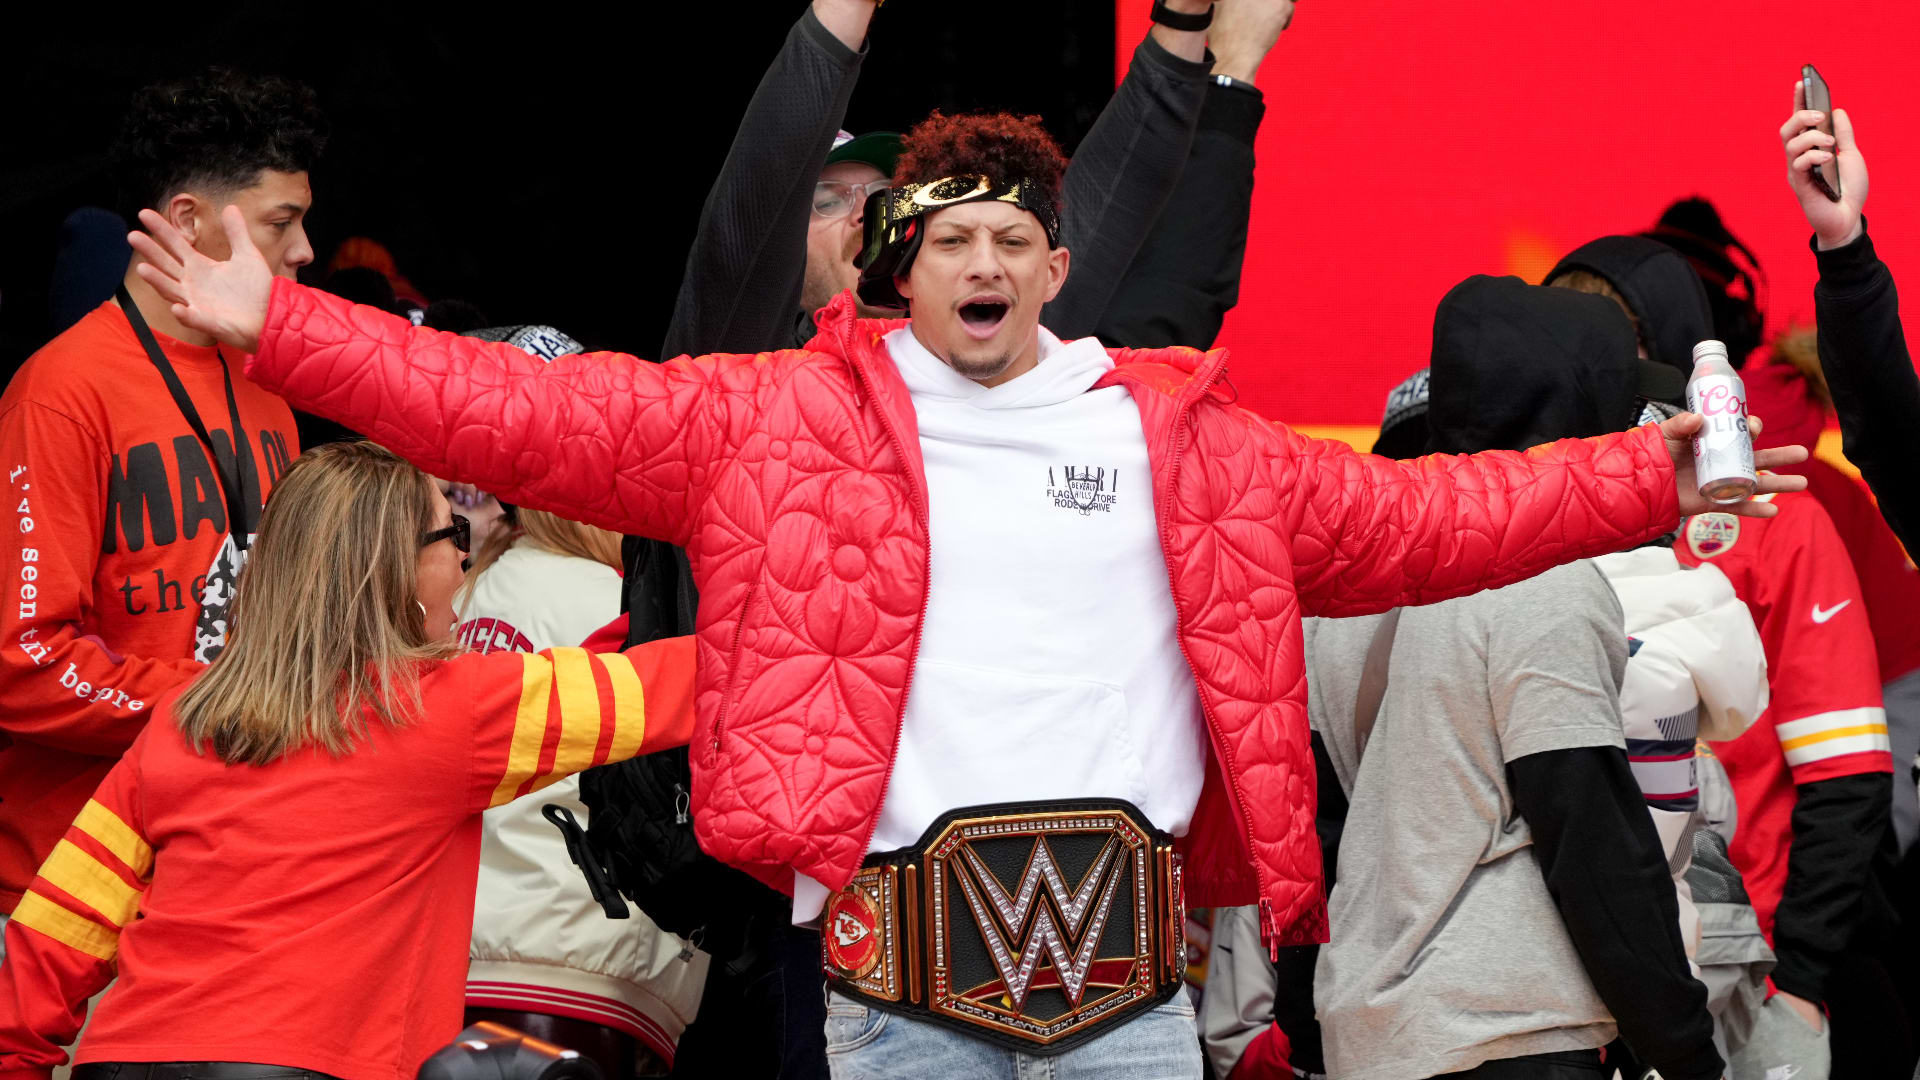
(1825, 718)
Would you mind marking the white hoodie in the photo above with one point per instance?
(1048, 666)
(1696, 669)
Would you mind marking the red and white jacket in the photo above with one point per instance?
(795, 483)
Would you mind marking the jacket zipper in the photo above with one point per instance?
(733, 673)
(1269, 932)
(926, 586)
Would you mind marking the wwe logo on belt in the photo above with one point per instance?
(1085, 918)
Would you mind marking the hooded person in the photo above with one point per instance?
(1486, 733)
(1810, 779)
(1735, 283)
(1660, 292)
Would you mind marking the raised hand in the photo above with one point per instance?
(1835, 224)
(1679, 433)
(225, 299)
(1243, 32)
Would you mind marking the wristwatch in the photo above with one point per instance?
(1180, 20)
(1228, 82)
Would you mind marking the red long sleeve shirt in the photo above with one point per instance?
(116, 566)
(311, 913)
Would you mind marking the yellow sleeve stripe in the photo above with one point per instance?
(579, 713)
(116, 836)
(629, 707)
(1833, 733)
(1792, 730)
(36, 912)
(529, 727)
(91, 882)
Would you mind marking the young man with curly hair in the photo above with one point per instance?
(999, 635)
(117, 439)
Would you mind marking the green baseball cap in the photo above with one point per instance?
(880, 149)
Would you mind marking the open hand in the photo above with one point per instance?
(1835, 224)
(226, 299)
(1679, 433)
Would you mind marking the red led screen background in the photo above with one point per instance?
(1408, 145)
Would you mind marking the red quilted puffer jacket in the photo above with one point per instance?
(794, 481)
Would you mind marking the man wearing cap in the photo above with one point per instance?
(996, 774)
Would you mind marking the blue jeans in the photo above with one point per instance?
(871, 1044)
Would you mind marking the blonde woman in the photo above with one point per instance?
(281, 869)
(545, 958)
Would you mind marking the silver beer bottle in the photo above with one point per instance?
(1723, 451)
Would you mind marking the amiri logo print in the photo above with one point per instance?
(1085, 488)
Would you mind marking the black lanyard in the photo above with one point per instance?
(231, 489)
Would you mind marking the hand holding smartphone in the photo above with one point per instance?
(1818, 97)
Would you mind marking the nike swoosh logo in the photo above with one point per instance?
(1822, 616)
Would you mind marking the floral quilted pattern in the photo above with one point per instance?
(794, 481)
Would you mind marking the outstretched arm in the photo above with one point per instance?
(1372, 533)
(741, 290)
(1863, 347)
(589, 708)
(602, 438)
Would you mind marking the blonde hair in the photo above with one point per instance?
(1798, 346)
(325, 625)
(549, 532)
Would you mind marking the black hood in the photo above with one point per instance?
(1517, 365)
(1659, 285)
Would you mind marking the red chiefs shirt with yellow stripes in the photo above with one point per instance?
(1825, 719)
(314, 912)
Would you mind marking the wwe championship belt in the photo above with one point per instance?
(1037, 926)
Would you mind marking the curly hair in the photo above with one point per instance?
(999, 145)
(216, 132)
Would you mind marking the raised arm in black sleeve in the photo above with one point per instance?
(1120, 177)
(1864, 353)
(1838, 824)
(1187, 275)
(741, 289)
(1605, 870)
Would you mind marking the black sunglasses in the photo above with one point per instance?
(459, 532)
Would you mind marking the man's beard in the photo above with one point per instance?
(981, 367)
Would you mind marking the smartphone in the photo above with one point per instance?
(1825, 177)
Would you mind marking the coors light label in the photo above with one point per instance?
(1723, 451)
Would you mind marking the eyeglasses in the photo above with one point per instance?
(834, 199)
(459, 532)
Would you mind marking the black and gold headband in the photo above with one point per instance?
(894, 229)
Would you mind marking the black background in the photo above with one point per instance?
(542, 162)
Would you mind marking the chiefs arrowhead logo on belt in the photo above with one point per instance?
(852, 926)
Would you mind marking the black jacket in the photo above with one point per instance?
(1187, 276)
(1863, 350)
